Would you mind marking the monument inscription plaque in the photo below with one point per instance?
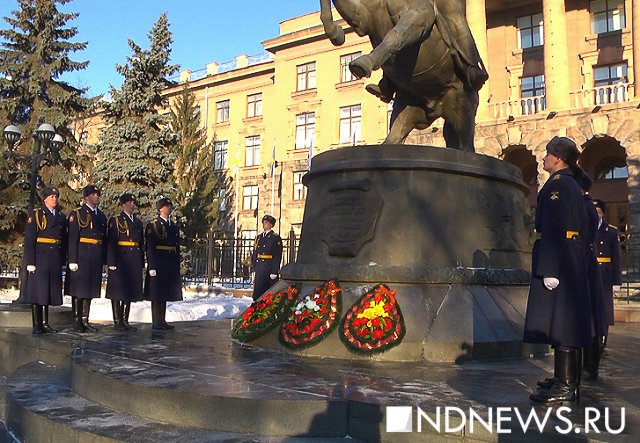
(352, 212)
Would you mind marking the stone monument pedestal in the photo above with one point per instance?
(448, 230)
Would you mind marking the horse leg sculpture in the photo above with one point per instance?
(404, 118)
(459, 109)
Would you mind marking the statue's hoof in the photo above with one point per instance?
(375, 90)
(361, 67)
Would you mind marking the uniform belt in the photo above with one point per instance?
(91, 241)
(572, 234)
(165, 248)
(127, 243)
(52, 241)
(603, 259)
(265, 256)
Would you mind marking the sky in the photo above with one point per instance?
(203, 31)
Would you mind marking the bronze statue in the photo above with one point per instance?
(431, 65)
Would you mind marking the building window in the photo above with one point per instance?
(345, 73)
(306, 76)
(305, 130)
(222, 199)
(530, 31)
(607, 15)
(222, 111)
(299, 191)
(350, 124)
(252, 156)
(250, 197)
(532, 94)
(254, 105)
(611, 82)
(613, 169)
(220, 150)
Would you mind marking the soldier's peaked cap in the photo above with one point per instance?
(270, 219)
(90, 189)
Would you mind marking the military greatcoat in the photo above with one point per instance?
(87, 248)
(607, 245)
(44, 247)
(562, 316)
(163, 255)
(125, 251)
(266, 257)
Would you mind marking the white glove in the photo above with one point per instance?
(273, 276)
(152, 272)
(73, 267)
(113, 268)
(616, 288)
(31, 268)
(551, 283)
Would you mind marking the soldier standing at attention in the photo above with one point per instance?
(607, 246)
(559, 311)
(163, 282)
(44, 241)
(266, 257)
(125, 261)
(87, 251)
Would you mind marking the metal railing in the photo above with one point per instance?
(602, 95)
(519, 107)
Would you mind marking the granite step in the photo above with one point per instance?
(13, 315)
(199, 399)
(41, 406)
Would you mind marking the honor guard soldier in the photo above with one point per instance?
(607, 246)
(44, 253)
(266, 257)
(87, 251)
(125, 262)
(163, 282)
(559, 311)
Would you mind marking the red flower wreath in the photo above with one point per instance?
(265, 313)
(374, 323)
(313, 317)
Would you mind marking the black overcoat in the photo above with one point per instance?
(607, 244)
(595, 282)
(87, 248)
(125, 251)
(563, 316)
(163, 255)
(45, 240)
(266, 257)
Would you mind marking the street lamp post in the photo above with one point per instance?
(46, 146)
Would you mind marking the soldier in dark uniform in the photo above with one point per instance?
(44, 251)
(125, 261)
(266, 257)
(163, 282)
(87, 253)
(559, 311)
(607, 245)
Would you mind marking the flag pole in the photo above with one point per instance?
(235, 222)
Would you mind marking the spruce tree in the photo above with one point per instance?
(197, 185)
(137, 149)
(35, 51)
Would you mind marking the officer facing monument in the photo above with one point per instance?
(87, 251)
(266, 257)
(125, 261)
(44, 243)
(163, 282)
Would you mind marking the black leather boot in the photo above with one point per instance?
(165, 325)
(86, 308)
(156, 316)
(591, 360)
(567, 387)
(45, 320)
(116, 309)
(126, 310)
(548, 382)
(36, 319)
(76, 305)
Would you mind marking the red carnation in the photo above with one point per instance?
(378, 297)
(387, 308)
(377, 334)
(376, 322)
(388, 324)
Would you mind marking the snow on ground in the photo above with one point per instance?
(195, 306)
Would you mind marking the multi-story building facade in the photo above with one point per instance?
(556, 68)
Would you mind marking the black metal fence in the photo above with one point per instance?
(630, 290)
(226, 261)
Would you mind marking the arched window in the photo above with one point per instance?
(611, 169)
